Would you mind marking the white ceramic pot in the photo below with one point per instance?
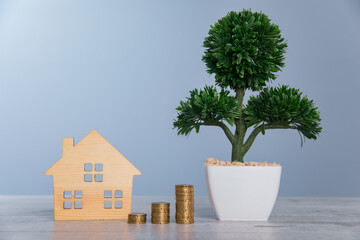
(243, 193)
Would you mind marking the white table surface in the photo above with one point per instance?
(31, 217)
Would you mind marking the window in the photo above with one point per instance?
(78, 194)
(118, 193)
(78, 204)
(118, 204)
(67, 194)
(108, 195)
(98, 167)
(90, 175)
(76, 197)
(107, 204)
(88, 167)
(67, 205)
(98, 177)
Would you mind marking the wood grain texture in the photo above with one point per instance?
(68, 175)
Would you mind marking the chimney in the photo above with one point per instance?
(68, 144)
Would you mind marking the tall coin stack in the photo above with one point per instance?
(160, 213)
(184, 204)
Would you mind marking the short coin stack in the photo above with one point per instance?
(160, 213)
(184, 204)
(137, 218)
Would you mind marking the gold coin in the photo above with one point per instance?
(190, 212)
(160, 216)
(184, 190)
(185, 210)
(160, 204)
(180, 186)
(184, 200)
(160, 209)
(178, 192)
(184, 219)
(164, 222)
(190, 221)
(188, 204)
(137, 218)
(184, 197)
(184, 203)
(160, 212)
(160, 219)
(184, 214)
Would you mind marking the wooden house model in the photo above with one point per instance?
(92, 180)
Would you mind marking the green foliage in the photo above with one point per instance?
(244, 49)
(205, 106)
(284, 106)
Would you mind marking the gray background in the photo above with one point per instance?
(121, 67)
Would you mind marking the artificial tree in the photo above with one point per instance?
(244, 50)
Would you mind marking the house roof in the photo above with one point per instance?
(92, 138)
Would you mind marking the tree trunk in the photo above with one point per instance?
(237, 152)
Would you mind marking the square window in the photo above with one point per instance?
(78, 204)
(107, 194)
(78, 194)
(98, 167)
(67, 194)
(118, 204)
(118, 193)
(88, 167)
(98, 177)
(67, 205)
(88, 177)
(107, 204)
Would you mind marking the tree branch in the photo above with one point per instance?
(257, 130)
(227, 131)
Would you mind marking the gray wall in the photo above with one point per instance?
(121, 67)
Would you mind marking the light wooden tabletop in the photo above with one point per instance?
(31, 217)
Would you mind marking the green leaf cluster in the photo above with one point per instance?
(284, 106)
(244, 50)
(205, 107)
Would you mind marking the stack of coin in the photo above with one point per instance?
(160, 213)
(137, 218)
(184, 204)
